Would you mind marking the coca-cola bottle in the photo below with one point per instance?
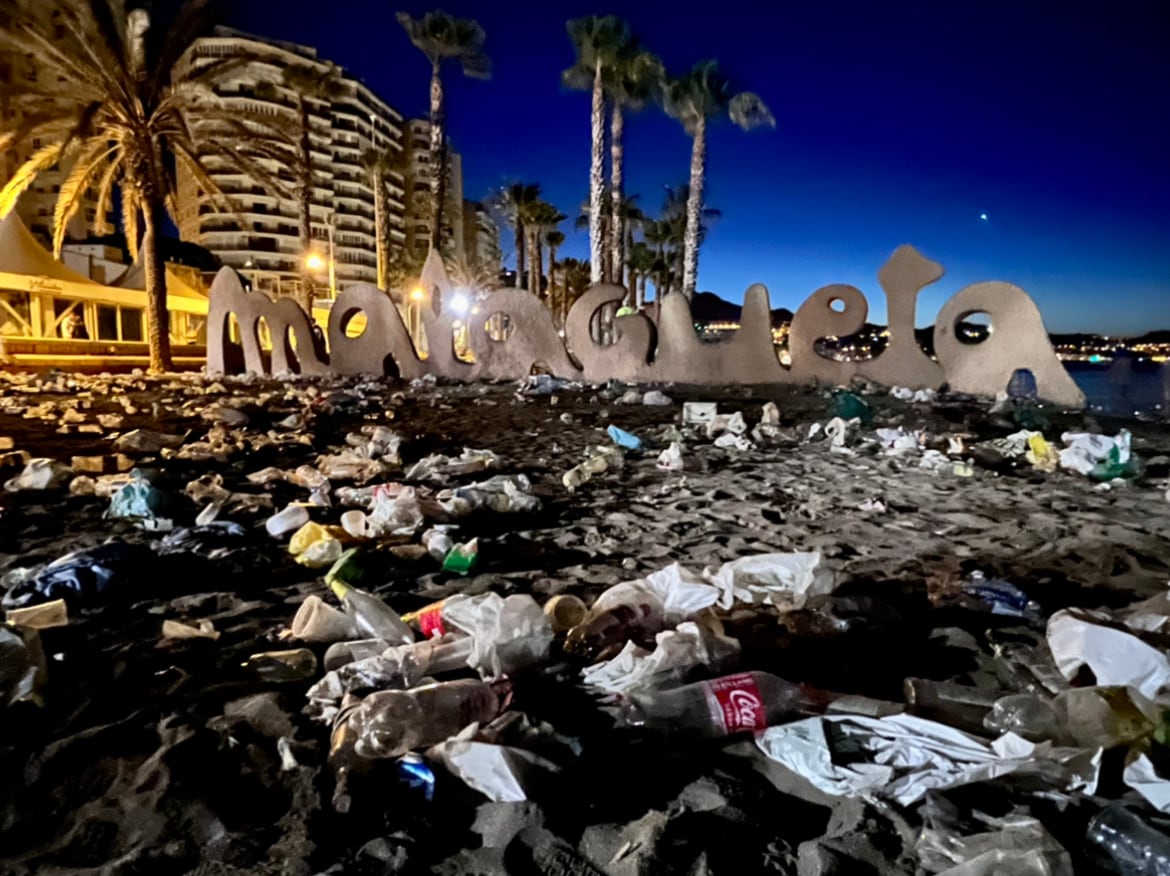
(604, 635)
(741, 703)
(390, 723)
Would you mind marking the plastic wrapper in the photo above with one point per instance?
(1116, 656)
(499, 772)
(786, 581)
(40, 474)
(902, 757)
(315, 546)
(675, 591)
(677, 652)
(398, 516)
(507, 633)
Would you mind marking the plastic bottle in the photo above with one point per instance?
(603, 635)
(962, 706)
(373, 617)
(1129, 845)
(438, 543)
(746, 702)
(1025, 715)
(406, 665)
(392, 722)
(295, 665)
(340, 653)
(343, 759)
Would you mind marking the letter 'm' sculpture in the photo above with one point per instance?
(524, 337)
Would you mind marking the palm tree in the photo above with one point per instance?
(700, 95)
(578, 278)
(632, 220)
(642, 261)
(555, 239)
(310, 85)
(599, 41)
(379, 164)
(635, 80)
(514, 201)
(542, 217)
(121, 112)
(442, 37)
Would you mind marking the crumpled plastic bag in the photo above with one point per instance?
(783, 580)
(1015, 845)
(351, 466)
(671, 459)
(499, 772)
(656, 398)
(40, 474)
(503, 494)
(731, 440)
(902, 757)
(733, 423)
(898, 442)
(211, 541)
(315, 546)
(1082, 637)
(22, 666)
(136, 500)
(146, 441)
(677, 591)
(87, 577)
(377, 442)
(1099, 456)
(676, 652)
(507, 633)
(388, 516)
(439, 467)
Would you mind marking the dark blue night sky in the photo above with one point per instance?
(897, 122)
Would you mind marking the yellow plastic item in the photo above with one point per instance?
(1041, 454)
(315, 546)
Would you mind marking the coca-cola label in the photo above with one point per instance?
(738, 703)
(430, 621)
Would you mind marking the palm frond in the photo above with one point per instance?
(79, 179)
(748, 111)
(105, 192)
(42, 159)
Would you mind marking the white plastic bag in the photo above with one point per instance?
(783, 580)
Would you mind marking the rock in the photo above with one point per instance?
(384, 856)
(6, 443)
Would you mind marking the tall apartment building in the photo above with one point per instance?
(37, 204)
(418, 186)
(262, 237)
(481, 238)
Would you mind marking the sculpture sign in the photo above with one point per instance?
(642, 351)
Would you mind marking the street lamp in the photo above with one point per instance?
(314, 262)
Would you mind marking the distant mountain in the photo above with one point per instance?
(709, 307)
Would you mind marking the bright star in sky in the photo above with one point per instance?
(983, 216)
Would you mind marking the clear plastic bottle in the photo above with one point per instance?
(1129, 845)
(392, 722)
(406, 665)
(373, 617)
(741, 703)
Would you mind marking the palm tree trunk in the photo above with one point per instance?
(641, 291)
(305, 207)
(381, 232)
(596, 180)
(519, 254)
(533, 278)
(552, 275)
(539, 264)
(438, 158)
(158, 327)
(616, 235)
(694, 210)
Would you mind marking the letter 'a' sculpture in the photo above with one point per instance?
(636, 348)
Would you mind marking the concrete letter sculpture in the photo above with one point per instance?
(284, 317)
(638, 350)
(1017, 340)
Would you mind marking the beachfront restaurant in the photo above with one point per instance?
(52, 316)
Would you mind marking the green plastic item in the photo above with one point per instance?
(462, 558)
(346, 571)
(1030, 417)
(1112, 468)
(850, 406)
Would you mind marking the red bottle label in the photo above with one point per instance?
(739, 703)
(430, 621)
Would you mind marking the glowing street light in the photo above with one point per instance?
(416, 294)
(460, 303)
(314, 262)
